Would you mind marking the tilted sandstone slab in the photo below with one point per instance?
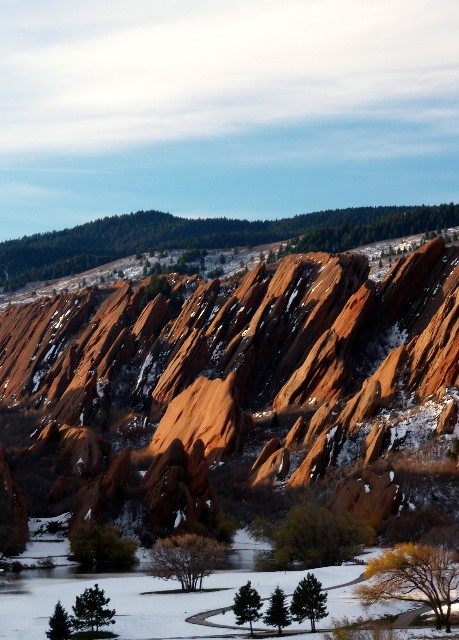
(32, 339)
(322, 454)
(434, 355)
(325, 373)
(208, 411)
(105, 344)
(262, 328)
(447, 420)
(273, 463)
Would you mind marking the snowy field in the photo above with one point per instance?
(27, 602)
(25, 608)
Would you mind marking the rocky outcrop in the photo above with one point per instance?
(309, 337)
(33, 337)
(295, 436)
(374, 443)
(434, 354)
(322, 454)
(371, 497)
(13, 509)
(177, 490)
(324, 375)
(273, 463)
(80, 447)
(447, 420)
(207, 411)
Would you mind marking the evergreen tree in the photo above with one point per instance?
(247, 605)
(89, 610)
(309, 601)
(277, 614)
(60, 624)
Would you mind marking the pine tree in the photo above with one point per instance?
(247, 605)
(60, 625)
(89, 610)
(277, 614)
(309, 601)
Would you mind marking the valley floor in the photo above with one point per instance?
(27, 603)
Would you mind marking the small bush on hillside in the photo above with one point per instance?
(453, 451)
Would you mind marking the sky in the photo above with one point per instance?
(241, 108)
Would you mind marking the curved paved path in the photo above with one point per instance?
(202, 618)
(405, 619)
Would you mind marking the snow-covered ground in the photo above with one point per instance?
(27, 602)
(25, 606)
(229, 260)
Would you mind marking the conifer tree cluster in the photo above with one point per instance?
(90, 614)
(308, 602)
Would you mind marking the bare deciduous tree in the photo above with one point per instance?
(188, 558)
(427, 572)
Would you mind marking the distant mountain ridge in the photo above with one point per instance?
(59, 253)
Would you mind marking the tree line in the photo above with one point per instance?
(55, 254)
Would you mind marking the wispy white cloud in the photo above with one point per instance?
(17, 192)
(97, 76)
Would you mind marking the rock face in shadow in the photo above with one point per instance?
(333, 353)
(369, 496)
(13, 507)
(177, 490)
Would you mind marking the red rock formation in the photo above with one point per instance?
(447, 419)
(324, 373)
(207, 411)
(374, 443)
(104, 344)
(13, 508)
(81, 447)
(369, 496)
(322, 453)
(293, 333)
(270, 447)
(273, 463)
(435, 353)
(296, 435)
(177, 490)
(32, 338)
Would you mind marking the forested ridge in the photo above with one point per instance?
(59, 253)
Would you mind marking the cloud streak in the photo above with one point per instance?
(97, 78)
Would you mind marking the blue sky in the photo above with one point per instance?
(248, 108)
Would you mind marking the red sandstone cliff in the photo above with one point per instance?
(98, 371)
